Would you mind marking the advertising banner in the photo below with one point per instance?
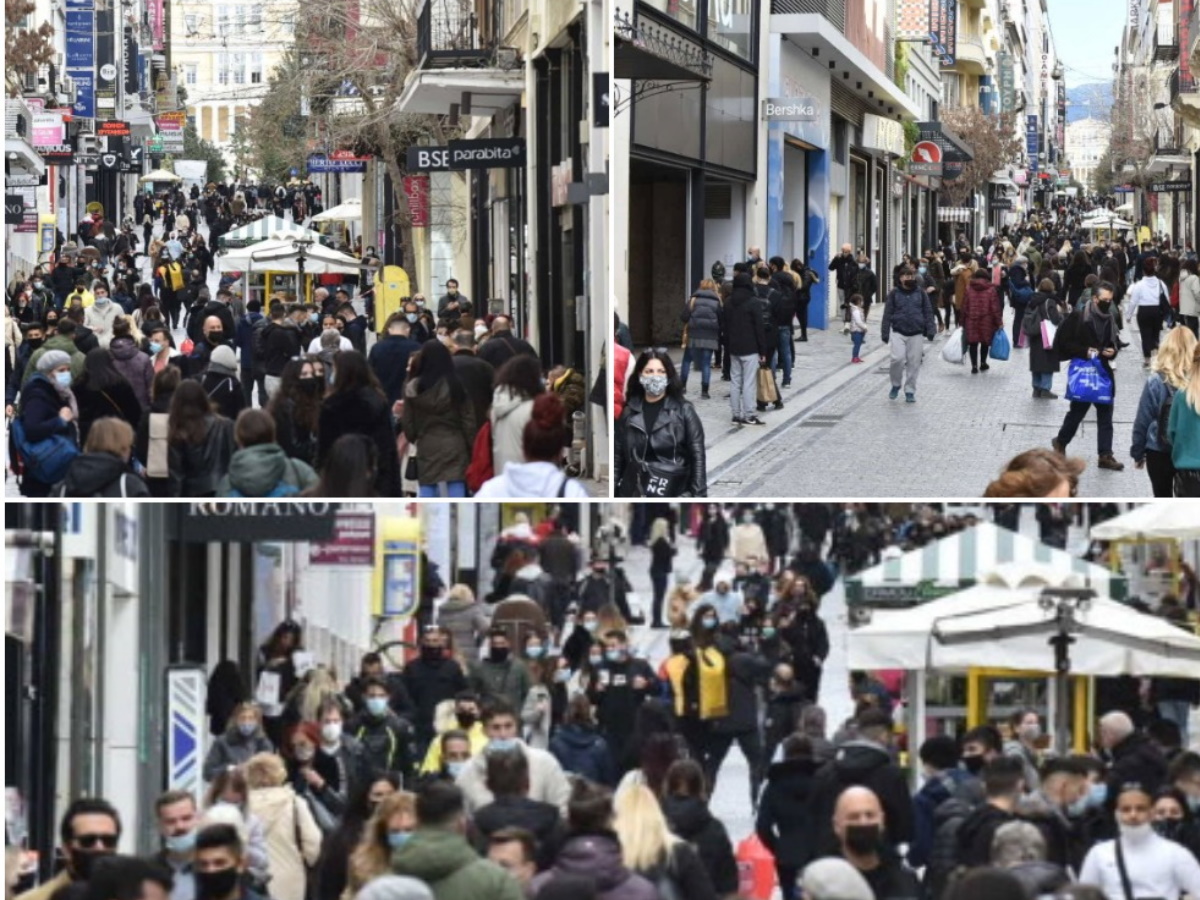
(1031, 141)
(416, 188)
(943, 30)
(85, 93)
(353, 542)
(81, 38)
(1008, 87)
(47, 129)
(319, 163)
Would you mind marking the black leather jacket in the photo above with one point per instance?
(678, 435)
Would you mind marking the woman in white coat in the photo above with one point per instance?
(293, 838)
(1189, 296)
(1140, 860)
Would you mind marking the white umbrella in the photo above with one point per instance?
(1170, 520)
(280, 255)
(158, 175)
(351, 209)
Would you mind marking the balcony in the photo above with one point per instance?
(1185, 97)
(448, 36)
(1166, 42)
(971, 58)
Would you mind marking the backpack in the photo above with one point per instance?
(260, 339)
(1020, 294)
(173, 276)
(283, 489)
(1164, 419)
(46, 460)
(482, 466)
(1031, 322)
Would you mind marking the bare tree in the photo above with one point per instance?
(993, 143)
(1132, 141)
(26, 48)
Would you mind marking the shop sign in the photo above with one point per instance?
(242, 522)
(883, 134)
(1171, 187)
(85, 93)
(58, 154)
(926, 159)
(1008, 88)
(416, 188)
(485, 153)
(943, 30)
(14, 209)
(47, 129)
(318, 163)
(1001, 203)
(113, 128)
(80, 38)
(791, 109)
(1031, 141)
(170, 121)
(353, 542)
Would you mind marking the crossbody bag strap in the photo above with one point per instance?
(1126, 887)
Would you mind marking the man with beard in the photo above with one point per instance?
(90, 829)
(220, 863)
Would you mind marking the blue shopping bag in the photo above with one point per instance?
(1088, 382)
(1000, 345)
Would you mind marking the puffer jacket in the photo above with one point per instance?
(598, 856)
(510, 413)
(583, 751)
(744, 320)
(981, 311)
(908, 313)
(100, 475)
(702, 313)
(264, 470)
(452, 869)
(135, 366)
(678, 436)
(443, 429)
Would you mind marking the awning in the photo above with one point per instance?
(20, 155)
(262, 229)
(955, 214)
(488, 91)
(955, 147)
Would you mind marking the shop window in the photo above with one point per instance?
(840, 148)
(682, 11)
(731, 25)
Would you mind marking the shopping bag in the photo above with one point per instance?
(1049, 329)
(767, 392)
(1022, 339)
(1000, 345)
(954, 350)
(756, 869)
(1089, 382)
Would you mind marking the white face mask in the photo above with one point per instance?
(331, 732)
(1136, 834)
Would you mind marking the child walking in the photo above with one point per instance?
(858, 326)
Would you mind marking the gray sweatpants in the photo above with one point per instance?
(743, 387)
(907, 353)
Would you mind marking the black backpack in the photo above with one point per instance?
(1164, 419)
(260, 339)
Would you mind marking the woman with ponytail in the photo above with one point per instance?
(542, 442)
(1038, 473)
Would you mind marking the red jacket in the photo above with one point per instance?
(621, 360)
(981, 311)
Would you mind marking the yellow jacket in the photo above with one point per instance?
(433, 758)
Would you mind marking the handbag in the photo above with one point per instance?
(953, 350)
(643, 478)
(46, 460)
(767, 391)
(1088, 382)
(1001, 347)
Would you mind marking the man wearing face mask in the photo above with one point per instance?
(1090, 334)
(177, 816)
(219, 864)
(99, 317)
(465, 725)
(597, 588)
(90, 829)
(805, 632)
(723, 603)
(453, 305)
(386, 739)
(908, 321)
(845, 268)
(1056, 806)
(500, 676)
(621, 685)
(859, 823)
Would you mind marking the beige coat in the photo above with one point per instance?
(287, 817)
(748, 543)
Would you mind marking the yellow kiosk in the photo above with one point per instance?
(391, 290)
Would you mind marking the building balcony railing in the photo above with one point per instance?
(449, 35)
(1181, 84)
(1166, 46)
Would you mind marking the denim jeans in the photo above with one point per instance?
(1043, 380)
(453, 489)
(744, 390)
(856, 339)
(785, 352)
(703, 362)
(1104, 424)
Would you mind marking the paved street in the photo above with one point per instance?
(838, 432)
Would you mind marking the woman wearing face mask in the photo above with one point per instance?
(1140, 863)
(48, 409)
(228, 789)
(659, 438)
(578, 745)
(332, 872)
(292, 834)
(1026, 729)
(537, 713)
(388, 829)
(243, 737)
(296, 409)
(1173, 819)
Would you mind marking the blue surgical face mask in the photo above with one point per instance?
(397, 839)
(499, 745)
(181, 843)
(614, 655)
(412, 317)
(377, 706)
(709, 622)
(155, 347)
(63, 379)
(535, 652)
(591, 626)
(1193, 803)
(247, 728)
(1097, 795)
(922, 270)
(562, 676)
(454, 769)
(1079, 807)
(768, 632)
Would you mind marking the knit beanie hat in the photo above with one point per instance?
(834, 879)
(51, 360)
(394, 887)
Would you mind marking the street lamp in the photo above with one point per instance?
(301, 245)
(1064, 603)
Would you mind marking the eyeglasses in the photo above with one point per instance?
(88, 841)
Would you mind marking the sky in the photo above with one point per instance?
(1085, 33)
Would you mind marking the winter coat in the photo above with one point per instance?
(135, 366)
(783, 310)
(976, 833)
(1085, 329)
(247, 329)
(1189, 294)
(100, 475)
(280, 342)
(55, 342)
(744, 321)
(865, 764)
(597, 856)
(1043, 360)
(933, 793)
(501, 346)
(510, 413)
(532, 479)
(702, 313)
(845, 267)
(746, 673)
(582, 750)
(617, 702)
(547, 782)
(1137, 759)
(195, 470)
(452, 869)
(224, 390)
(749, 543)
(787, 823)
(1073, 280)
(477, 378)
(362, 412)
(443, 428)
(682, 868)
(387, 743)
(782, 715)
(468, 622)
(981, 312)
(508, 680)
(536, 715)
(908, 313)
(1145, 424)
(540, 819)
(264, 470)
(100, 320)
(678, 437)
(297, 441)
(286, 817)
(713, 540)
(691, 819)
(389, 361)
(948, 819)
(430, 682)
(233, 749)
(115, 401)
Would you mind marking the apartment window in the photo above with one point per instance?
(189, 73)
(288, 25)
(222, 68)
(255, 20)
(222, 21)
(240, 21)
(189, 22)
(255, 65)
(238, 65)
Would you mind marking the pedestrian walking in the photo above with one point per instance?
(1169, 373)
(1148, 302)
(1042, 307)
(1183, 431)
(908, 322)
(747, 348)
(702, 317)
(982, 316)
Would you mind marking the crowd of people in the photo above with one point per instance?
(1072, 298)
(201, 393)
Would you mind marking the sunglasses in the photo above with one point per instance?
(88, 841)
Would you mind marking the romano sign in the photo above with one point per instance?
(486, 153)
(233, 522)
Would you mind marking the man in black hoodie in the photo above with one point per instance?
(1003, 784)
(1135, 758)
(747, 349)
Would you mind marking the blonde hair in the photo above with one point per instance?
(264, 770)
(321, 685)
(1193, 385)
(1174, 360)
(660, 528)
(461, 592)
(707, 285)
(642, 829)
(372, 857)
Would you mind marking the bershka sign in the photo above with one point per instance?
(790, 109)
(486, 153)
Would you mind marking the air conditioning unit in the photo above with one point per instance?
(66, 90)
(507, 58)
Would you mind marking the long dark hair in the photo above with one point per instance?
(99, 373)
(436, 364)
(349, 469)
(351, 373)
(289, 401)
(635, 389)
(521, 375)
(190, 406)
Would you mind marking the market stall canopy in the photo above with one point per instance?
(1170, 520)
(281, 256)
(956, 561)
(995, 625)
(351, 209)
(266, 227)
(158, 175)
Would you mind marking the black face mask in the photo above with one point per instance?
(215, 337)
(907, 283)
(431, 654)
(216, 884)
(1105, 305)
(34, 343)
(1167, 828)
(82, 862)
(466, 719)
(310, 385)
(863, 839)
(499, 654)
(973, 764)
